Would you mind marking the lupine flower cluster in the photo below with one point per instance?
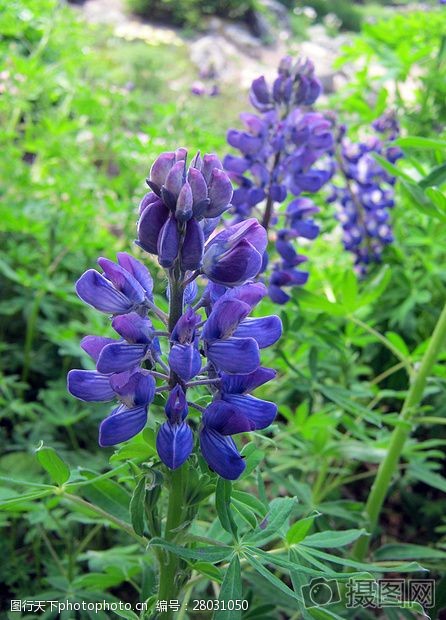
(204, 341)
(366, 196)
(280, 154)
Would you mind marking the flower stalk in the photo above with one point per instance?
(400, 434)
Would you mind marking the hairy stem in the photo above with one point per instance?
(400, 434)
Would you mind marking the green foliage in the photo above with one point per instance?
(81, 118)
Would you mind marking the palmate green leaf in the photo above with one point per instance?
(251, 501)
(210, 554)
(299, 530)
(409, 552)
(393, 567)
(137, 506)
(53, 464)
(231, 590)
(332, 539)
(275, 523)
(275, 581)
(245, 513)
(317, 302)
(208, 569)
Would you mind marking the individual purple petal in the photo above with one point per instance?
(168, 243)
(148, 199)
(224, 318)
(185, 361)
(221, 454)
(266, 331)
(210, 162)
(93, 345)
(160, 169)
(220, 193)
(234, 267)
(175, 179)
(174, 443)
(122, 424)
(138, 271)
(176, 405)
(260, 413)
(197, 185)
(90, 385)
(193, 246)
(120, 356)
(234, 354)
(241, 384)
(227, 420)
(134, 389)
(251, 293)
(149, 226)
(278, 296)
(184, 330)
(236, 164)
(183, 211)
(99, 293)
(122, 280)
(133, 328)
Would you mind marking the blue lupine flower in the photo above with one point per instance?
(175, 439)
(365, 198)
(231, 412)
(213, 343)
(279, 152)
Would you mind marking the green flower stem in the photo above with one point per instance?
(400, 434)
(168, 588)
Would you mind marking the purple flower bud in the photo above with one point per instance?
(160, 169)
(150, 224)
(193, 246)
(235, 255)
(176, 406)
(174, 183)
(210, 162)
(183, 210)
(168, 243)
(174, 444)
(220, 193)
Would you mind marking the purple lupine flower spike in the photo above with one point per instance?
(211, 343)
(283, 150)
(366, 196)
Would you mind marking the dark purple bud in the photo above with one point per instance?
(174, 444)
(183, 210)
(160, 169)
(175, 179)
(210, 161)
(184, 330)
(193, 246)
(150, 224)
(168, 243)
(197, 185)
(220, 193)
(176, 405)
